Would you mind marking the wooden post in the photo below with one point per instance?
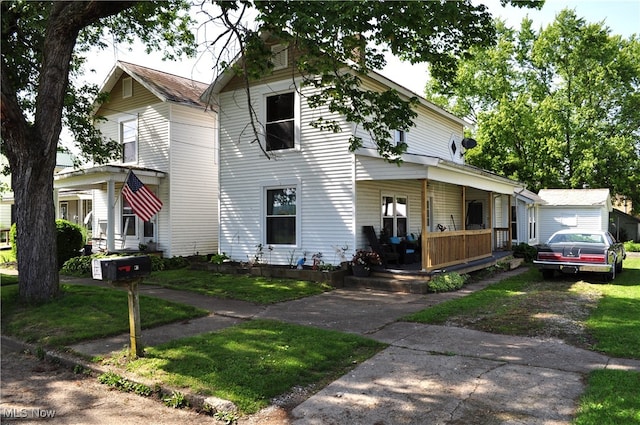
(425, 228)
(135, 327)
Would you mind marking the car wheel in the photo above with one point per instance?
(548, 274)
(619, 267)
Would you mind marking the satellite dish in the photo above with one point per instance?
(469, 143)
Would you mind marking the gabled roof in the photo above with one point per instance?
(576, 197)
(167, 87)
(227, 74)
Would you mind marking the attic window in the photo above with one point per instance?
(127, 87)
(279, 56)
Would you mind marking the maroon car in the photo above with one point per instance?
(577, 251)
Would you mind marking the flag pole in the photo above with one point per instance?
(126, 179)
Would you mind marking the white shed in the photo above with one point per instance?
(573, 208)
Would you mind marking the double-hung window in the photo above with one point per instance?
(399, 136)
(280, 121)
(281, 216)
(129, 140)
(394, 215)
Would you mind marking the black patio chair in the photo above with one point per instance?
(386, 252)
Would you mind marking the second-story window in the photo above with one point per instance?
(400, 136)
(280, 122)
(129, 140)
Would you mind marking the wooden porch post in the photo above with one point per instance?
(464, 222)
(490, 204)
(425, 227)
(509, 223)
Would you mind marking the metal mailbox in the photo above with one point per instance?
(121, 268)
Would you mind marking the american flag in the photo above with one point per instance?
(143, 202)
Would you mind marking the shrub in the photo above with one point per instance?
(174, 263)
(526, 251)
(632, 246)
(77, 266)
(221, 258)
(13, 241)
(446, 282)
(70, 240)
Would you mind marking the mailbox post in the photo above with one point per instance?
(126, 272)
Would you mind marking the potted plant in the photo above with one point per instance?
(363, 261)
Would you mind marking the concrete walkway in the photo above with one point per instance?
(428, 374)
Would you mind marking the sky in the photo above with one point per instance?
(621, 16)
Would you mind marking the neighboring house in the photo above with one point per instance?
(525, 212)
(72, 205)
(624, 227)
(314, 196)
(168, 139)
(573, 208)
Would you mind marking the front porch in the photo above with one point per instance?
(411, 278)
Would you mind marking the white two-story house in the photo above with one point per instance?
(315, 196)
(169, 140)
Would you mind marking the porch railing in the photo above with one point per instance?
(448, 248)
(502, 240)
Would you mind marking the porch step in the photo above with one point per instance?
(390, 284)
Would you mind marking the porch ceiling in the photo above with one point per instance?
(369, 166)
(95, 177)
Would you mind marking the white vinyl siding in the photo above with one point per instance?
(181, 142)
(193, 179)
(322, 165)
(431, 135)
(553, 219)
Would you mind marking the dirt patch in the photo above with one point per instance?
(550, 310)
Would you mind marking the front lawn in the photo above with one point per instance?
(262, 290)
(82, 313)
(582, 311)
(251, 363)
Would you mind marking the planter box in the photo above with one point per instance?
(334, 278)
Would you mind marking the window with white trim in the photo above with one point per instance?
(395, 215)
(128, 219)
(399, 136)
(280, 122)
(129, 140)
(281, 215)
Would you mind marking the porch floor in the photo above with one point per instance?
(415, 269)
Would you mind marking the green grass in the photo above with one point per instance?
(253, 362)
(83, 312)
(8, 279)
(514, 306)
(611, 398)
(256, 289)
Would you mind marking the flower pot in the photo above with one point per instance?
(360, 271)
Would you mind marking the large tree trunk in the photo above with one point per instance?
(31, 147)
(32, 184)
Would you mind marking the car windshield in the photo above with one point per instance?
(576, 237)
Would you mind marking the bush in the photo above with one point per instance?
(13, 241)
(70, 240)
(175, 263)
(526, 251)
(77, 266)
(632, 246)
(446, 282)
